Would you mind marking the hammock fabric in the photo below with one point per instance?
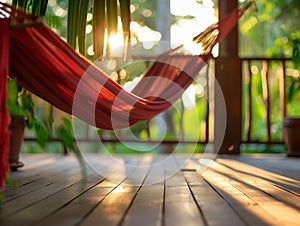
(48, 67)
(4, 116)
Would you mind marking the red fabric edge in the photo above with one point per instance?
(4, 115)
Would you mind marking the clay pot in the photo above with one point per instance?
(16, 127)
(291, 126)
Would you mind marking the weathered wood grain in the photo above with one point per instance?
(153, 190)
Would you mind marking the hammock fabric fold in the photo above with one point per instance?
(51, 69)
(4, 116)
(48, 67)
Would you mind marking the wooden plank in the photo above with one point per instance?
(180, 207)
(215, 209)
(111, 210)
(245, 207)
(42, 168)
(277, 169)
(147, 207)
(32, 214)
(285, 214)
(113, 167)
(27, 173)
(230, 192)
(280, 187)
(281, 203)
(277, 163)
(227, 180)
(32, 161)
(76, 211)
(39, 180)
(64, 180)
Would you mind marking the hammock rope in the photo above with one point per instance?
(48, 67)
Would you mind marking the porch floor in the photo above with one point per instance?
(233, 190)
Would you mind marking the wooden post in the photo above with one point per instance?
(228, 71)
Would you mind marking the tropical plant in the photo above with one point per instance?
(36, 7)
(105, 23)
(289, 46)
(20, 103)
(295, 83)
(64, 132)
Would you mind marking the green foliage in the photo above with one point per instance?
(20, 102)
(271, 10)
(10, 182)
(53, 21)
(273, 22)
(273, 31)
(14, 104)
(138, 14)
(296, 50)
(98, 27)
(43, 131)
(294, 86)
(262, 148)
(258, 109)
(77, 14)
(105, 18)
(36, 7)
(65, 133)
(287, 46)
(290, 47)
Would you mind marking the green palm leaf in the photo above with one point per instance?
(105, 19)
(99, 25)
(72, 25)
(83, 10)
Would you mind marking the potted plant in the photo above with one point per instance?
(291, 133)
(291, 123)
(21, 108)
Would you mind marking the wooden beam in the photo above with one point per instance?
(229, 77)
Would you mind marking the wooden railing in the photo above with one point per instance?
(265, 88)
(264, 105)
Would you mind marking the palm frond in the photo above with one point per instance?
(36, 7)
(99, 25)
(105, 23)
(83, 10)
(125, 18)
(112, 16)
(72, 24)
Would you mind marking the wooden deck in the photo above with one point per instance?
(234, 190)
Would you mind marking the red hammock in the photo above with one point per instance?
(48, 67)
(4, 116)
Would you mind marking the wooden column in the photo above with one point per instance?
(228, 74)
